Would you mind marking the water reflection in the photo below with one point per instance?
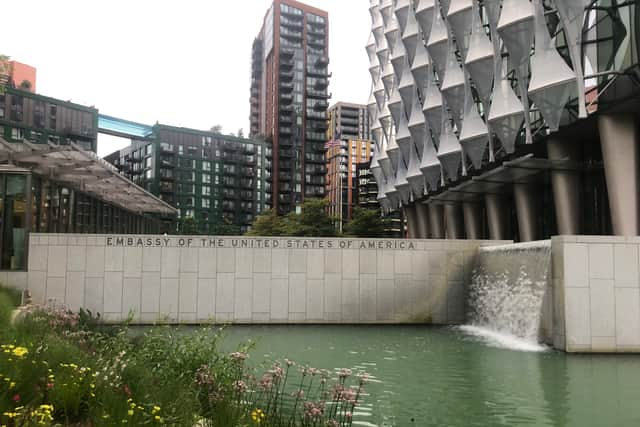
(424, 376)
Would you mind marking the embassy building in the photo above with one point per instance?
(507, 119)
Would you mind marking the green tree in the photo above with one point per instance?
(267, 224)
(26, 85)
(189, 226)
(216, 129)
(226, 228)
(312, 221)
(365, 223)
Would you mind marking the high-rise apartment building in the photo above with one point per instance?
(289, 100)
(214, 179)
(348, 146)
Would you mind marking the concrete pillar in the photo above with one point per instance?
(566, 186)
(436, 221)
(527, 210)
(412, 221)
(423, 220)
(497, 218)
(619, 143)
(454, 221)
(473, 220)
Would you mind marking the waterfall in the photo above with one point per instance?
(507, 291)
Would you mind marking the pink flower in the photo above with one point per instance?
(238, 356)
(240, 386)
(16, 398)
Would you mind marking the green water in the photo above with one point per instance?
(424, 376)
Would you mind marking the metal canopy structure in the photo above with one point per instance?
(83, 171)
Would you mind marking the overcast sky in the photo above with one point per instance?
(184, 63)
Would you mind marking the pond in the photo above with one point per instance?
(429, 376)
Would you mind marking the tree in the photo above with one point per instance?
(240, 133)
(312, 221)
(216, 128)
(25, 85)
(365, 223)
(267, 224)
(225, 228)
(189, 226)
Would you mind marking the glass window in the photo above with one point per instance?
(206, 166)
(206, 190)
(206, 203)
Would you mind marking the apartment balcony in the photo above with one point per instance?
(286, 98)
(167, 178)
(291, 33)
(284, 130)
(291, 21)
(321, 84)
(317, 42)
(349, 112)
(317, 94)
(286, 75)
(285, 142)
(286, 87)
(321, 106)
(347, 121)
(322, 62)
(286, 153)
(286, 119)
(318, 72)
(284, 177)
(287, 52)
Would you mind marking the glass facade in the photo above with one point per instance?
(31, 203)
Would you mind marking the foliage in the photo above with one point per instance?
(267, 224)
(25, 84)
(216, 129)
(63, 368)
(225, 228)
(312, 221)
(240, 133)
(189, 226)
(365, 223)
(14, 295)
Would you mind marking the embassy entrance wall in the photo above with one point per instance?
(193, 279)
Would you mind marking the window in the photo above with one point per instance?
(206, 190)
(149, 149)
(147, 162)
(206, 203)
(17, 133)
(206, 178)
(206, 166)
(217, 180)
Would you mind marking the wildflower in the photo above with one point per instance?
(158, 418)
(257, 415)
(298, 394)
(130, 412)
(344, 373)
(12, 384)
(155, 410)
(16, 398)
(363, 377)
(20, 351)
(238, 356)
(277, 371)
(266, 382)
(240, 386)
(332, 423)
(289, 362)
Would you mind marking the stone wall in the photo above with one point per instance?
(253, 280)
(597, 293)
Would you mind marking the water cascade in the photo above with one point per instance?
(507, 292)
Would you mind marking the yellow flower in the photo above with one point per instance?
(20, 351)
(257, 415)
(155, 410)
(158, 418)
(130, 412)
(12, 385)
